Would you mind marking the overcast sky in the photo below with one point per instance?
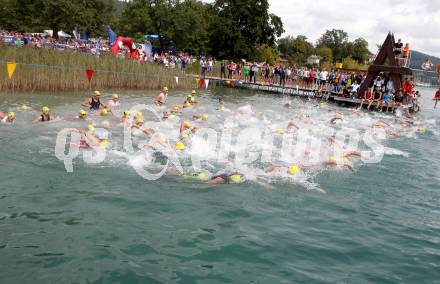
(415, 21)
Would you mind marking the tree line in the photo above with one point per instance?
(224, 29)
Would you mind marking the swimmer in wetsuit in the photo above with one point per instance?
(94, 103)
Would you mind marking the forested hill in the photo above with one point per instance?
(417, 59)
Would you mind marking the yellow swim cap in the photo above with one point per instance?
(115, 96)
(97, 93)
(193, 92)
(103, 143)
(185, 136)
(165, 89)
(332, 159)
(280, 131)
(11, 114)
(82, 112)
(421, 130)
(90, 127)
(205, 117)
(235, 179)
(104, 112)
(202, 176)
(126, 113)
(24, 107)
(294, 169)
(45, 109)
(139, 114)
(180, 146)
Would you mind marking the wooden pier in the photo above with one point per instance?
(289, 90)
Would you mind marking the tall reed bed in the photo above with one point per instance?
(55, 70)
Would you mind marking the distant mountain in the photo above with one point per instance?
(418, 58)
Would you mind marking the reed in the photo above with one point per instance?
(55, 70)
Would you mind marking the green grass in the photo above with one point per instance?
(54, 70)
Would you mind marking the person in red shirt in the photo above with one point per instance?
(437, 97)
(311, 77)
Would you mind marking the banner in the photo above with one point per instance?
(11, 68)
(89, 74)
(202, 82)
(206, 83)
(177, 80)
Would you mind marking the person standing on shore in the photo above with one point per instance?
(222, 70)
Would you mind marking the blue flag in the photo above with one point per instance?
(111, 35)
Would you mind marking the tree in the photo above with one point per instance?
(297, 50)
(326, 55)
(336, 40)
(360, 50)
(239, 27)
(190, 26)
(35, 15)
(267, 54)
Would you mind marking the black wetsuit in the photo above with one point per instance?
(45, 118)
(95, 104)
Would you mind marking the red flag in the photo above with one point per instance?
(89, 74)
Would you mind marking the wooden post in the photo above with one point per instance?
(379, 65)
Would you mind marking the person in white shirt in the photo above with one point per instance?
(114, 102)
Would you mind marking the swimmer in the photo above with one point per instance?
(345, 162)
(165, 115)
(221, 104)
(288, 104)
(105, 111)
(291, 126)
(88, 139)
(140, 123)
(114, 102)
(292, 170)
(9, 118)
(186, 125)
(226, 178)
(94, 102)
(82, 115)
(384, 125)
(199, 117)
(124, 117)
(338, 116)
(162, 98)
(176, 109)
(157, 139)
(45, 115)
(25, 108)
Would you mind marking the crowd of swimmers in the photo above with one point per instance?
(187, 127)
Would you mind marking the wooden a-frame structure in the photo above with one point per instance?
(380, 64)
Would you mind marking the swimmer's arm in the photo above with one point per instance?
(147, 131)
(217, 180)
(86, 103)
(38, 119)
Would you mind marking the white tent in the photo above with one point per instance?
(60, 33)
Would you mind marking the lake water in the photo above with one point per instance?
(104, 223)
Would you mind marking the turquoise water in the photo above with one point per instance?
(106, 224)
